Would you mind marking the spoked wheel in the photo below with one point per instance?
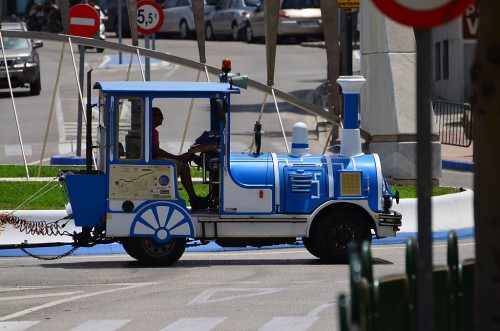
(335, 230)
(148, 251)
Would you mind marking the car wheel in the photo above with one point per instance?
(100, 50)
(209, 32)
(249, 34)
(149, 252)
(36, 86)
(184, 30)
(235, 31)
(335, 230)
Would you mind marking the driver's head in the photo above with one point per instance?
(157, 117)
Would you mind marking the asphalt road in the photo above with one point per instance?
(285, 289)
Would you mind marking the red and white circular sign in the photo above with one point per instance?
(423, 13)
(83, 21)
(149, 17)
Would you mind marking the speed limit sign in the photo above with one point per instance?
(149, 17)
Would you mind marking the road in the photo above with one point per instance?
(285, 289)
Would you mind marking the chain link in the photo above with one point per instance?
(51, 258)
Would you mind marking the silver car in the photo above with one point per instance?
(228, 18)
(179, 18)
(23, 61)
(299, 19)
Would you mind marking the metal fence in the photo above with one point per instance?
(454, 122)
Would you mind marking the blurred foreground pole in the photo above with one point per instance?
(425, 290)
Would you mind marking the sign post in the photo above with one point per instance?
(84, 21)
(149, 20)
(423, 15)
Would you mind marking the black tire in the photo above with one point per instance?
(309, 244)
(149, 252)
(335, 230)
(235, 32)
(249, 34)
(126, 247)
(209, 32)
(36, 86)
(99, 50)
(184, 30)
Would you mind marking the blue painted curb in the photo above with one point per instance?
(458, 165)
(116, 248)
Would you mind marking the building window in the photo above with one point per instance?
(446, 71)
(437, 60)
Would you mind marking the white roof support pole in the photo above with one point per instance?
(188, 117)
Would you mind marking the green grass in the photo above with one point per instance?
(13, 194)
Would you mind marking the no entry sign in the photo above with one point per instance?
(423, 13)
(83, 21)
(149, 17)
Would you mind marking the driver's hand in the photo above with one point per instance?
(184, 158)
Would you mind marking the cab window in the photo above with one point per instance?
(129, 132)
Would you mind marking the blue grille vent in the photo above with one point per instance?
(300, 183)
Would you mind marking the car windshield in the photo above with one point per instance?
(252, 3)
(15, 43)
(299, 4)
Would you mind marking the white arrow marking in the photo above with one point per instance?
(82, 21)
(207, 294)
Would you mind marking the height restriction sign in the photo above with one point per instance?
(149, 17)
(423, 13)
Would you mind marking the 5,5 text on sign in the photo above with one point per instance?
(149, 17)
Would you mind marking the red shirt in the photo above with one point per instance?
(156, 140)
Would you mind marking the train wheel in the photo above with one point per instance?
(310, 245)
(148, 251)
(335, 230)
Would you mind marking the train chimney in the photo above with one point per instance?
(351, 138)
(300, 143)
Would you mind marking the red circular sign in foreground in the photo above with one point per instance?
(149, 17)
(83, 21)
(422, 18)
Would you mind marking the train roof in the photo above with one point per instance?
(156, 87)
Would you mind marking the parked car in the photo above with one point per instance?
(23, 60)
(179, 17)
(228, 18)
(299, 19)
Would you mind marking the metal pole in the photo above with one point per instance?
(81, 49)
(148, 62)
(425, 290)
(348, 39)
(119, 29)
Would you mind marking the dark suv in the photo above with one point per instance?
(23, 61)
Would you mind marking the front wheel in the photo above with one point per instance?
(148, 251)
(184, 30)
(249, 34)
(335, 230)
(36, 86)
(209, 32)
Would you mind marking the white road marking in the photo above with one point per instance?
(101, 325)
(316, 311)
(17, 325)
(206, 296)
(289, 324)
(34, 296)
(128, 286)
(195, 324)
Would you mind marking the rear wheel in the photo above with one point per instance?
(335, 230)
(309, 244)
(36, 86)
(148, 251)
(209, 32)
(184, 30)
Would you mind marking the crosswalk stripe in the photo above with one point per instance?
(289, 324)
(17, 325)
(101, 325)
(195, 324)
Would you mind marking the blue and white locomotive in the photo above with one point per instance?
(256, 199)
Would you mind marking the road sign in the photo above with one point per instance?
(83, 21)
(422, 13)
(149, 17)
(343, 4)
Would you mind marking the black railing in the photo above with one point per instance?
(454, 123)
